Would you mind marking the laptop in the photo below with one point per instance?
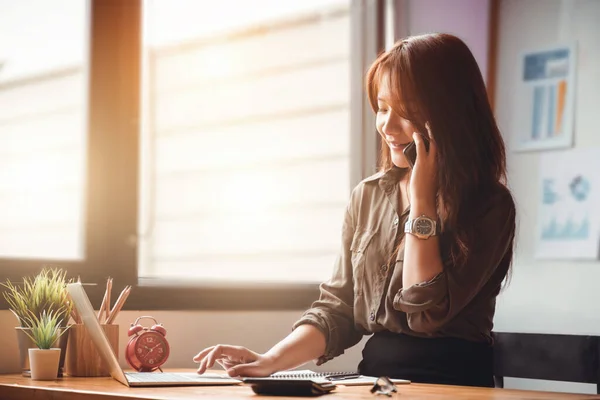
(135, 379)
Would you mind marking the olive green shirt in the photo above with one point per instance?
(365, 293)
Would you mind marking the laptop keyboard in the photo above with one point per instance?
(161, 377)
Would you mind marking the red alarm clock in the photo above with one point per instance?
(148, 348)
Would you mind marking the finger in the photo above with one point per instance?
(250, 369)
(226, 364)
(206, 361)
(222, 363)
(202, 366)
(202, 359)
(432, 144)
(206, 364)
(420, 145)
(217, 353)
(198, 357)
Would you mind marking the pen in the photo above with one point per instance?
(341, 377)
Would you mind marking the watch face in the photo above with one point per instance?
(152, 349)
(423, 226)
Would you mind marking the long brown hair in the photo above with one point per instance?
(434, 78)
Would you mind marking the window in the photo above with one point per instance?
(246, 147)
(42, 128)
(69, 100)
(243, 160)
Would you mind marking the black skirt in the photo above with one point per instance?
(449, 361)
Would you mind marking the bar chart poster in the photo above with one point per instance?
(568, 225)
(545, 102)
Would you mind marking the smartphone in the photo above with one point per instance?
(410, 151)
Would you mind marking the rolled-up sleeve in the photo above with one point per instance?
(430, 305)
(333, 313)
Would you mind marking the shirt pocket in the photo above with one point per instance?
(359, 249)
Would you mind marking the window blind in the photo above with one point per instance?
(245, 151)
(42, 129)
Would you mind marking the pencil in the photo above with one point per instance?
(108, 291)
(103, 305)
(119, 304)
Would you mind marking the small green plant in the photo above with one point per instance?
(45, 329)
(46, 292)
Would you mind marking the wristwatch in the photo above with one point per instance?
(422, 227)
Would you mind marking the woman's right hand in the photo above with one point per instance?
(237, 361)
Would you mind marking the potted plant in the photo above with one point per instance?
(45, 292)
(44, 332)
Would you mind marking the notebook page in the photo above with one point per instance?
(321, 376)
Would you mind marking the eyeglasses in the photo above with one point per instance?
(384, 386)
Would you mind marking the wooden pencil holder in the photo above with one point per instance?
(82, 357)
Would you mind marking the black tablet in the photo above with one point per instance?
(288, 387)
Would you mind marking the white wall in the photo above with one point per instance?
(547, 297)
(467, 19)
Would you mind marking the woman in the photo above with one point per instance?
(425, 250)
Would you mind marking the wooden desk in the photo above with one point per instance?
(16, 387)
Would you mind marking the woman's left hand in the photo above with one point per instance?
(423, 180)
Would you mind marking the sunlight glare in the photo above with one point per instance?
(249, 194)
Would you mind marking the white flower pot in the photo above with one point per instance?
(25, 343)
(44, 364)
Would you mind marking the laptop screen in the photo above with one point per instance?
(90, 321)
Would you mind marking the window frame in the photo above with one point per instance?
(110, 193)
(112, 188)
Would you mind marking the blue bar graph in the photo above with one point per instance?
(538, 100)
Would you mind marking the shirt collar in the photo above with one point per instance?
(387, 179)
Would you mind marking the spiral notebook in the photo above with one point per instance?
(339, 378)
(306, 373)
